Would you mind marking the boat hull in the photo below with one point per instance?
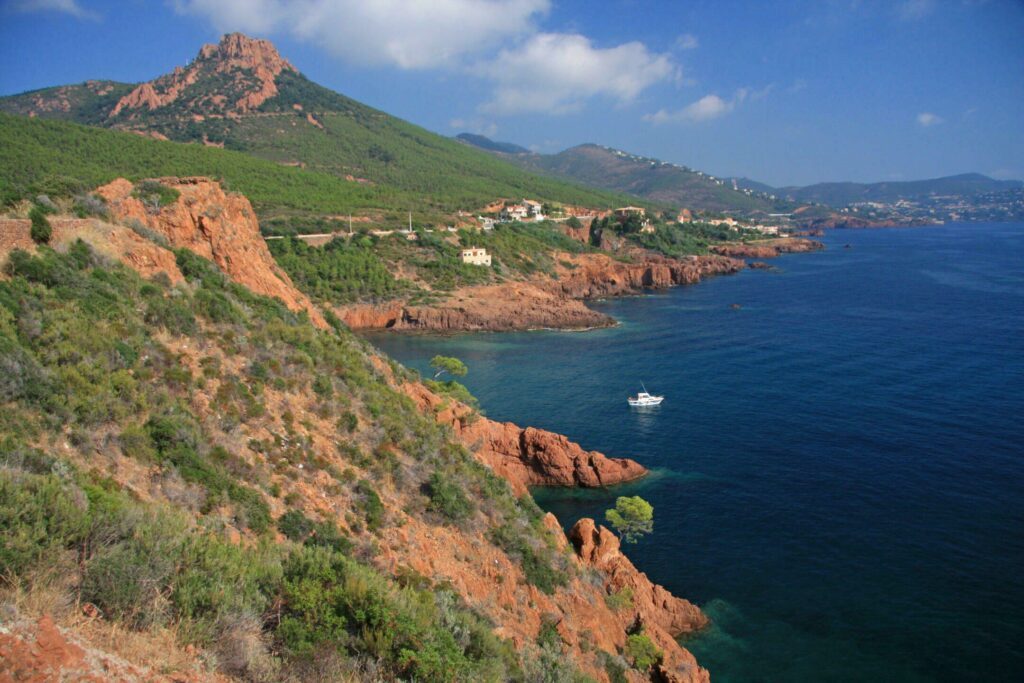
(646, 402)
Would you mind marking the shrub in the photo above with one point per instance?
(323, 387)
(39, 517)
(547, 635)
(146, 233)
(87, 205)
(620, 600)
(41, 230)
(129, 577)
(45, 204)
(447, 497)
(373, 508)
(642, 651)
(295, 525)
(155, 195)
(536, 564)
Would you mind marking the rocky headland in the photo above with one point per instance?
(541, 302)
(544, 302)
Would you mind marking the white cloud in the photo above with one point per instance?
(687, 41)
(926, 119)
(708, 107)
(66, 6)
(409, 34)
(555, 73)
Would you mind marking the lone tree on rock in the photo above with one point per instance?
(632, 518)
(453, 366)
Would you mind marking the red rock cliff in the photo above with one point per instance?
(662, 615)
(217, 225)
(525, 456)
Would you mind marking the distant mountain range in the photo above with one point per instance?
(848, 193)
(490, 145)
(658, 180)
(614, 169)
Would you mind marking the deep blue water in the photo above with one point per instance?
(839, 464)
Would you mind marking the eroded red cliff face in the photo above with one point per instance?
(598, 275)
(525, 456)
(217, 225)
(662, 616)
(541, 303)
(488, 308)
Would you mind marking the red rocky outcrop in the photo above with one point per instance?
(216, 225)
(662, 616)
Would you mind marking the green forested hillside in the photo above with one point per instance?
(56, 157)
(381, 163)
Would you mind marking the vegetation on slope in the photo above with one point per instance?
(404, 167)
(93, 374)
(362, 268)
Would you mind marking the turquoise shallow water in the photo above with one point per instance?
(839, 464)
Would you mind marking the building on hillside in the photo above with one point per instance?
(685, 216)
(626, 211)
(514, 212)
(536, 209)
(476, 256)
(486, 223)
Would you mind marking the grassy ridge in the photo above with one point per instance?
(416, 173)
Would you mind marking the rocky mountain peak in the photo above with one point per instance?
(242, 71)
(239, 50)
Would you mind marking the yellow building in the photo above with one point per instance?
(476, 256)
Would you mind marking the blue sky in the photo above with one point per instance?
(785, 93)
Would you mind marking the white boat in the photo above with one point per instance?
(642, 398)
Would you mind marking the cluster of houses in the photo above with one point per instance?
(527, 210)
(733, 224)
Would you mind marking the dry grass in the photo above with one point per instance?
(52, 593)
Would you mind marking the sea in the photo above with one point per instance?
(838, 465)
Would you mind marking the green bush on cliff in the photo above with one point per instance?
(155, 195)
(447, 497)
(642, 650)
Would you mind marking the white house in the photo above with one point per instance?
(476, 256)
(515, 212)
(536, 209)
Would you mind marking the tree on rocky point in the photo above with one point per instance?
(453, 366)
(632, 517)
